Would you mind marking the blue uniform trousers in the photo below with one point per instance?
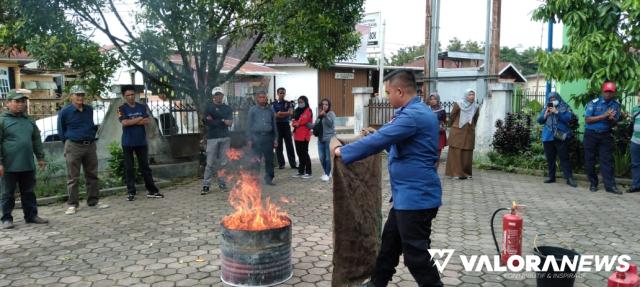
(601, 144)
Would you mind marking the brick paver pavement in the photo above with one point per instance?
(174, 241)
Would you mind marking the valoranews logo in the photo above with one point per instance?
(532, 263)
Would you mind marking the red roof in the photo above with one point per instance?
(15, 54)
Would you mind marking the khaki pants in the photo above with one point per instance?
(80, 155)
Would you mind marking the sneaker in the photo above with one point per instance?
(70, 210)
(205, 190)
(37, 220)
(298, 175)
(307, 176)
(155, 195)
(99, 206)
(131, 197)
(7, 224)
(324, 177)
(223, 187)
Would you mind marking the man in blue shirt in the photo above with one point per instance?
(411, 138)
(601, 114)
(218, 118)
(284, 111)
(134, 116)
(78, 133)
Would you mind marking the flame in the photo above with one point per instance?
(234, 154)
(251, 212)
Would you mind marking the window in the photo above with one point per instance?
(4, 82)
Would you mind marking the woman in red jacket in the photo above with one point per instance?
(302, 119)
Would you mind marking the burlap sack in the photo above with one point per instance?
(357, 203)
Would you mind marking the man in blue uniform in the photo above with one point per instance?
(601, 114)
(411, 138)
(284, 111)
(134, 117)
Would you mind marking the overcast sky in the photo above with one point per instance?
(464, 19)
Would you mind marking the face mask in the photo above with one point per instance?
(301, 105)
(555, 102)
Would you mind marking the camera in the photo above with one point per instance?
(549, 105)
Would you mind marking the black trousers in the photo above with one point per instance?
(27, 182)
(262, 147)
(302, 148)
(407, 232)
(600, 144)
(554, 149)
(284, 134)
(142, 153)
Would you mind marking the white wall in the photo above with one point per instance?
(299, 81)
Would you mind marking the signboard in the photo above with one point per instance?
(374, 22)
(344, 76)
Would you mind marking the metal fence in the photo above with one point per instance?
(381, 111)
(528, 101)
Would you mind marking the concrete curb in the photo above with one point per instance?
(578, 177)
(160, 183)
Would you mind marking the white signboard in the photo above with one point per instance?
(344, 76)
(374, 22)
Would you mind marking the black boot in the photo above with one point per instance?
(550, 180)
(571, 182)
(614, 190)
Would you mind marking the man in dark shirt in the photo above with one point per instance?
(284, 111)
(19, 141)
(218, 118)
(262, 134)
(78, 133)
(134, 116)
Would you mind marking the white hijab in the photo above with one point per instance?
(467, 110)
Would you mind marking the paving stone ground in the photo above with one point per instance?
(175, 241)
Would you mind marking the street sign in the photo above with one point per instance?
(372, 20)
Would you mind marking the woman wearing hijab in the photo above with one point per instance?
(555, 117)
(302, 119)
(436, 107)
(462, 135)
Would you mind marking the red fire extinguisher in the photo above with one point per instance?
(625, 279)
(512, 225)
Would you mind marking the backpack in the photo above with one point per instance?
(317, 128)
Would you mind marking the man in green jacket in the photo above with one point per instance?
(20, 140)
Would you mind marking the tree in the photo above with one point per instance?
(34, 26)
(604, 40)
(455, 45)
(407, 55)
(472, 47)
(525, 61)
(181, 46)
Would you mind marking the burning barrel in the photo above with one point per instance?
(256, 238)
(256, 258)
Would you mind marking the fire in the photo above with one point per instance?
(251, 212)
(234, 154)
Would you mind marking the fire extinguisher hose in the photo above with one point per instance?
(493, 233)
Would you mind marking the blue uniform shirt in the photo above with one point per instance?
(598, 107)
(411, 138)
(133, 135)
(76, 125)
(282, 106)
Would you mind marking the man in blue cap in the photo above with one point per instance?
(601, 114)
(19, 141)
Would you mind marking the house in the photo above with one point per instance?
(536, 83)
(10, 64)
(459, 71)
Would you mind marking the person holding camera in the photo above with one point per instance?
(555, 117)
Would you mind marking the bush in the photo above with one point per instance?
(513, 136)
(47, 183)
(116, 164)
